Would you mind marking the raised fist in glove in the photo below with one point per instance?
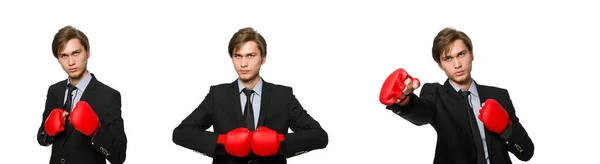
(397, 86)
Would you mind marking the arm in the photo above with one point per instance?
(110, 139)
(191, 132)
(418, 111)
(308, 134)
(519, 142)
(42, 137)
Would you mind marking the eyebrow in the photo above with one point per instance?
(445, 55)
(72, 52)
(251, 53)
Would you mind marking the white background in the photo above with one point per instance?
(163, 57)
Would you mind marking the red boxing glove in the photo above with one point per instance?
(55, 123)
(265, 142)
(84, 119)
(494, 117)
(394, 85)
(236, 142)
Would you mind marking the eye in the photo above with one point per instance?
(76, 53)
(237, 56)
(447, 58)
(251, 56)
(63, 56)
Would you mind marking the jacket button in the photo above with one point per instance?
(62, 160)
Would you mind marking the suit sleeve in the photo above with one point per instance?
(110, 139)
(191, 132)
(420, 110)
(307, 132)
(519, 142)
(42, 137)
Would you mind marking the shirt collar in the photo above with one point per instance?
(257, 88)
(472, 88)
(83, 83)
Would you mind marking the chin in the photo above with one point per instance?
(461, 80)
(246, 78)
(75, 75)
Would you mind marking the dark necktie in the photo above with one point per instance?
(474, 129)
(69, 102)
(248, 112)
(68, 107)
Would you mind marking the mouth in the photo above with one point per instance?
(244, 71)
(72, 69)
(459, 73)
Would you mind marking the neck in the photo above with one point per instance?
(251, 83)
(464, 85)
(75, 81)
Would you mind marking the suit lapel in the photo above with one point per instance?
(458, 107)
(61, 92)
(483, 95)
(236, 107)
(265, 103)
(88, 93)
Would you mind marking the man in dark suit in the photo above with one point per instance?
(82, 119)
(250, 116)
(474, 123)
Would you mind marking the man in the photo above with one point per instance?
(82, 120)
(250, 116)
(474, 123)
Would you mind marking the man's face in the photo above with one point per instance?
(247, 61)
(456, 62)
(73, 59)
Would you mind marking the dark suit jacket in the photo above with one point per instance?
(447, 112)
(279, 111)
(71, 146)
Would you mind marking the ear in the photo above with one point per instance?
(264, 59)
(88, 55)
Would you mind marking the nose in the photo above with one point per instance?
(244, 62)
(457, 64)
(71, 60)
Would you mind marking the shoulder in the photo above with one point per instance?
(221, 86)
(493, 89)
(101, 88)
(431, 86)
(58, 85)
(57, 88)
(431, 89)
(106, 88)
(278, 88)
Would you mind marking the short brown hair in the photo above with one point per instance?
(245, 35)
(445, 38)
(64, 35)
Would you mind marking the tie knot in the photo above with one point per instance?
(71, 87)
(464, 94)
(248, 92)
